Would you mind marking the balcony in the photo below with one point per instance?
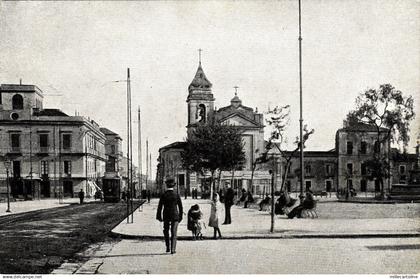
(15, 150)
(43, 150)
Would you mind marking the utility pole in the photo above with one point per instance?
(302, 171)
(132, 190)
(128, 146)
(139, 150)
(150, 167)
(147, 162)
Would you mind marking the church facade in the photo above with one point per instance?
(201, 110)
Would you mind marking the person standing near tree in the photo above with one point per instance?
(229, 197)
(214, 215)
(171, 204)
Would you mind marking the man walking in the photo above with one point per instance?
(229, 196)
(171, 203)
(81, 196)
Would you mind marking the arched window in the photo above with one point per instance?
(201, 113)
(17, 102)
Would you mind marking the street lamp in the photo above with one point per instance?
(7, 165)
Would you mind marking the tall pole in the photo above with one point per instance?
(147, 162)
(139, 150)
(8, 190)
(128, 146)
(131, 152)
(150, 166)
(302, 173)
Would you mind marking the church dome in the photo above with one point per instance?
(236, 102)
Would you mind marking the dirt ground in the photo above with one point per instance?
(39, 241)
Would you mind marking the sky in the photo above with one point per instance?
(74, 51)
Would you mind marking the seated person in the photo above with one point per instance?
(265, 202)
(308, 203)
(194, 224)
(283, 201)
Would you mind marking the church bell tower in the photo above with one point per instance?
(200, 99)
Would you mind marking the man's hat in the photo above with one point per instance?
(170, 182)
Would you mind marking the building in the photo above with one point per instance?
(201, 110)
(355, 144)
(113, 152)
(51, 153)
(337, 170)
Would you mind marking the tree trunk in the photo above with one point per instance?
(212, 184)
(254, 166)
(218, 181)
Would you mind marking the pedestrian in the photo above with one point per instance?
(243, 197)
(194, 221)
(214, 216)
(248, 199)
(229, 197)
(148, 196)
(81, 196)
(171, 204)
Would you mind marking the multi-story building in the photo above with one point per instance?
(51, 153)
(357, 143)
(113, 152)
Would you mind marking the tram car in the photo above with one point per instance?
(111, 188)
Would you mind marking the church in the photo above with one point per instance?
(201, 109)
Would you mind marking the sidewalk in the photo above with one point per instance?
(251, 223)
(26, 206)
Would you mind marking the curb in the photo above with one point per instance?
(267, 236)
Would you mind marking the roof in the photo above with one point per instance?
(19, 88)
(359, 127)
(49, 112)
(401, 157)
(174, 145)
(309, 154)
(107, 131)
(200, 80)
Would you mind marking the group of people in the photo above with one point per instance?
(194, 193)
(170, 212)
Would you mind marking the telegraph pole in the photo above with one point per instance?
(128, 145)
(302, 171)
(147, 162)
(139, 150)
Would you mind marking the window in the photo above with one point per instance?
(66, 141)
(350, 183)
(44, 168)
(403, 179)
(43, 140)
(363, 169)
(402, 169)
(350, 169)
(112, 149)
(17, 102)
(308, 169)
(349, 148)
(67, 167)
(308, 185)
(15, 141)
(328, 169)
(363, 147)
(363, 185)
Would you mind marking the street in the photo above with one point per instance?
(269, 256)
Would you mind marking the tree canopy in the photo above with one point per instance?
(385, 108)
(213, 147)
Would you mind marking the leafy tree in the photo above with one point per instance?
(278, 120)
(390, 113)
(212, 148)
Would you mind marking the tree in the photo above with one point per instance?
(278, 120)
(213, 147)
(389, 113)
